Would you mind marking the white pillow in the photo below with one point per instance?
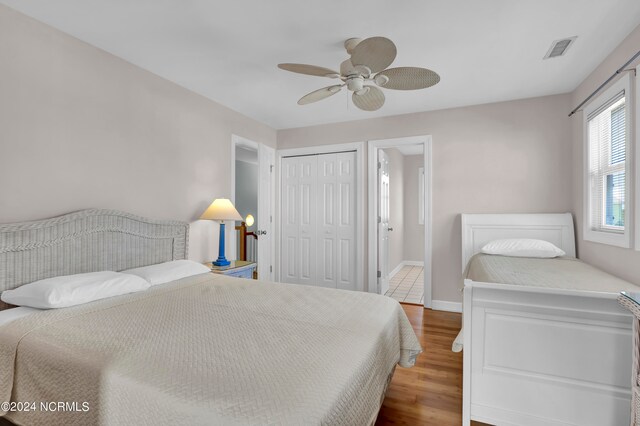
(71, 290)
(522, 247)
(168, 271)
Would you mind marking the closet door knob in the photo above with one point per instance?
(389, 229)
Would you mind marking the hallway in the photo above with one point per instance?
(407, 285)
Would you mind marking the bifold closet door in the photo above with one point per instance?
(318, 220)
(336, 220)
(299, 188)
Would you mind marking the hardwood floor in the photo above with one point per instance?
(431, 392)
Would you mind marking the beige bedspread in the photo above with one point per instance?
(561, 273)
(209, 350)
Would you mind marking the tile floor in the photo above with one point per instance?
(407, 285)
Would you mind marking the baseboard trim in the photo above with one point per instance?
(405, 263)
(445, 305)
(396, 270)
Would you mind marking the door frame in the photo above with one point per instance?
(237, 141)
(359, 148)
(373, 147)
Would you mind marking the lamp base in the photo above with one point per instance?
(221, 262)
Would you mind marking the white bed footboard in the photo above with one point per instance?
(538, 356)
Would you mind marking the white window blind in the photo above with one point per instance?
(607, 159)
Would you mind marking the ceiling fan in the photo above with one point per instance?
(366, 69)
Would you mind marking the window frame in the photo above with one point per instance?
(619, 239)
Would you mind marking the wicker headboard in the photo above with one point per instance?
(86, 241)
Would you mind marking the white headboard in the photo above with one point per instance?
(479, 229)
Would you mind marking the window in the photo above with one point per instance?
(606, 130)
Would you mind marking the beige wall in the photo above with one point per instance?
(624, 263)
(510, 157)
(81, 128)
(396, 210)
(413, 247)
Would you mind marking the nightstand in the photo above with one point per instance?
(238, 268)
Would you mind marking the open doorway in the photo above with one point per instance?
(399, 217)
(401, 229)
(247, 202)
(252, 192)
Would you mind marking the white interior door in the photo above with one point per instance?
(266, 207)
(327, 220)
(308, 186)
(319, 220)
(383, 221)
(346, 206)
(299, 186)
(289, 219)
(337, 220)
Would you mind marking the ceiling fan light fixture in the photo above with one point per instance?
(363, 70)
(355, 83)
(381, 80)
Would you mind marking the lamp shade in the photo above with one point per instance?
(221, 209)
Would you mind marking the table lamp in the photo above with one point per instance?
(220, 210)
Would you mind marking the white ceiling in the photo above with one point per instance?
(485, 51)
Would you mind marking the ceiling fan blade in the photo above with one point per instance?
(371, 100)
(309, 70)
(407, 78)
(320, 94)
(376, 53)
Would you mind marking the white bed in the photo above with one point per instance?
(539, 355)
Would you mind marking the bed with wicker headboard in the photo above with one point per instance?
(86, 241)
(203, 349)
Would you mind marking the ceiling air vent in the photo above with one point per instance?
(559, 47)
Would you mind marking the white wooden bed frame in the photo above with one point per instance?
(540, 356)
